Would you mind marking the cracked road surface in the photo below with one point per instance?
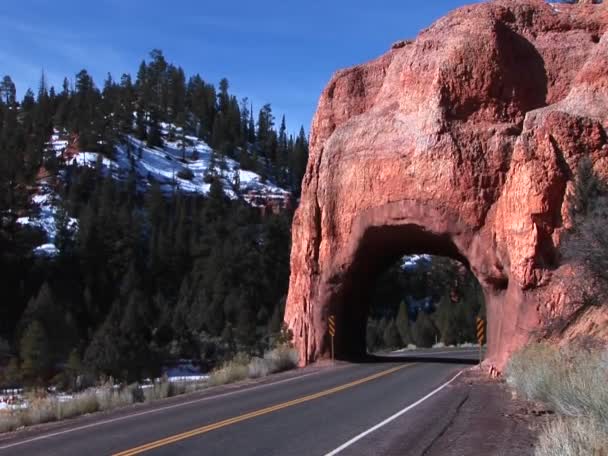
(401, 404)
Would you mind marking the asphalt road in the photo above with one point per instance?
(343, 409)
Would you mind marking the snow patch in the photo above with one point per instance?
(43, 217)
(180, 167)
(46, 250)
(413, 261)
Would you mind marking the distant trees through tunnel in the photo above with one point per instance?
(423, 300)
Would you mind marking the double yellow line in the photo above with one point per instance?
(248, 416)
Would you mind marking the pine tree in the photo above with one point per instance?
(125, 105)
(73, 369)
(403, 324)
(5, 349)
(64, 234)
(8, 91)
(13, 374)
(391, 336)
(282, 154)
(154, 134)
(34, 352)
(251, 127)
(423, 331)
(141, 131)
(244, 123)
(447, 321)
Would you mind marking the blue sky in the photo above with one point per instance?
(282, 52)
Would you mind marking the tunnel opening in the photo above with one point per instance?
(405, 266)
(423, 301)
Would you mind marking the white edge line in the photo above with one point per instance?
(148, 412)
(391, 418)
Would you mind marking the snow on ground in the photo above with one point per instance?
(12, 399)
(184, 370)
(58, 144)
(46, 250)
(175, 168)
(188, 378)
(413, 261)
(44, 215)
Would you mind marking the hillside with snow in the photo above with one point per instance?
(188, 168)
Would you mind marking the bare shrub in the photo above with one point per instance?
(110, 397)
(282, 358)
(40, 410)
(572, 437)
(531, 369)
(587, 242)
(279, 359)
(258, 367)
(9, 422)
(573, 381)
(80, 404)
(160, 389)
(581, 385)
(235, 370)
(186, 387)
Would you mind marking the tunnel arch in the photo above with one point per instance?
(380, 247)
(380, 239)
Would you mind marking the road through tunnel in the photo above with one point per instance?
(356, 303)
(377, 238)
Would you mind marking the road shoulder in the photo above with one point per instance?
(489, 421)
(474, 415)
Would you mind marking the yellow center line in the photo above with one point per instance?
(250, 415)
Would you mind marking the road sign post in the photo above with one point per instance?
(481, 333)
(332, 333)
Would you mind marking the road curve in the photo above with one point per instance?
(339, 410)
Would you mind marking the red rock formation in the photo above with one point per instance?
(461, 143)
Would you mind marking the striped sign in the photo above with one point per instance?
(332, 325)
(481, 331)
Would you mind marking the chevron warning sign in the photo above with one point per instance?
(332, 325)
(481, 331)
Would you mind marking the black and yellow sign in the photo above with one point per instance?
(481, 331)
(332, 325)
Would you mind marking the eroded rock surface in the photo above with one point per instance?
(464, 143)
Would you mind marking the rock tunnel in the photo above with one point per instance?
(462, 143)
(376, 249)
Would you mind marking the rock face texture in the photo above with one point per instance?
(463, 142)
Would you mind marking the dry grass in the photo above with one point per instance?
(9, 422)
(574, 383)
(156, 391)
(186, 387)
(44, 408)
(573, 437)
(235, 370)
(280, 359)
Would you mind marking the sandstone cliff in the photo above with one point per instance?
(462, 142)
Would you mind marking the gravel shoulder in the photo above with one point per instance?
(474, 415)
